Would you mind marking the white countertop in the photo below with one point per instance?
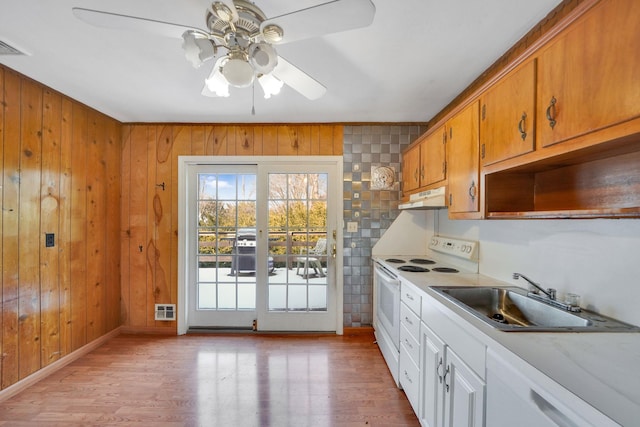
(603, 369)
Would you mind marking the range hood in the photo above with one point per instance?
(429, 199)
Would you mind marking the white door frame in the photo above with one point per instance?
(184, 240)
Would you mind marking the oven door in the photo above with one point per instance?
(388, 304)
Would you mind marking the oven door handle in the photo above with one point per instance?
(383, 271)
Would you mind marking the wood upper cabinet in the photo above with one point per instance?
(508, 116)
(464, 164)
(588, 77)
(411, 169)
(433, 163)
(424, 163)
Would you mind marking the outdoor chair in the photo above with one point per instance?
(310, 259)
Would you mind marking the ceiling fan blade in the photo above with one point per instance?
(326, 18)
(115, 20)
(298, 80)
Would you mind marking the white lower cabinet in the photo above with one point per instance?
(452, 394)
(409, 376)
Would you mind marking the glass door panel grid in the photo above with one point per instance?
(226, 277)
(297, 229)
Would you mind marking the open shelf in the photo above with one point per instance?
(602, 184)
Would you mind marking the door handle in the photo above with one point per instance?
(333, 251)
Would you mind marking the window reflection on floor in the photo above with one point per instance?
(249, 389)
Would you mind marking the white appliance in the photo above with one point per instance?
(387, 316)
(446, 257)
(429, 199)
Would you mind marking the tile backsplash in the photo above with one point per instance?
(366, 148)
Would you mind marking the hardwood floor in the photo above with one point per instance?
(219, 380)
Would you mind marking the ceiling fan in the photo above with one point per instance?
(240, 38)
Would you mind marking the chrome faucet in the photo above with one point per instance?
(550, 295)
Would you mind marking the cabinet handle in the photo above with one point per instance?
(521, 125)
(415, 175)
(409, 296)
(551, 112)
(408, 344)
(407, 320)
(473, 191)
(438, 370)
(422, 173)
(445, 378)
(406, 374)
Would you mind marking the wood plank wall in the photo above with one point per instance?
(149, 212)
(60, 174)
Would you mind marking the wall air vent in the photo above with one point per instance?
(165, 312)
(7, 49)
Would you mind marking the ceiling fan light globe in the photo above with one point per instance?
(217, 84)
(270, 85)
(197, 48)
(238, 72)
(263, 57)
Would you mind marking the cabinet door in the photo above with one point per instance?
(433, 165)
(465, 394)
(464, 168)
(507, 116)
(410, 169)
(588, 76)
(432, 405)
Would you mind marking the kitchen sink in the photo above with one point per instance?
(510, 309)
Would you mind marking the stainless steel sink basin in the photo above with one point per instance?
(510, 309)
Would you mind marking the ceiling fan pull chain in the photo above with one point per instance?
(253, 99)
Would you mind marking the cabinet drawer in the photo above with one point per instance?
(410, 320)
(410, 296)
(409, 344)
(409, 379)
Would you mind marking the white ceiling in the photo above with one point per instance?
(410, 63)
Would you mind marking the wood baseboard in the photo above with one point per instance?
(148, 330)
(16, 388)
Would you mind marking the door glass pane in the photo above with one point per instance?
(298, 241)
(226, 218)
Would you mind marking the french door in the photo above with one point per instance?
(260, 247)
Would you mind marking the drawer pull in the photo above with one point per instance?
(438, 370)
(406, 374)
(521, 125)
(447, 372)
(551, 112)
(408, 344)
(407, 320)
(409, 297)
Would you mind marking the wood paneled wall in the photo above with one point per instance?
(149, 217)
(60, 174)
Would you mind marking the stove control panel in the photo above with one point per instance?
(466, 249)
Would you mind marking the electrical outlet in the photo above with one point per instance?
(352, 227)
(49, 240)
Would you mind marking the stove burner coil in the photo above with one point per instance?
(395, 260)
(413, 268)
(422, 261)
(445, 270)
